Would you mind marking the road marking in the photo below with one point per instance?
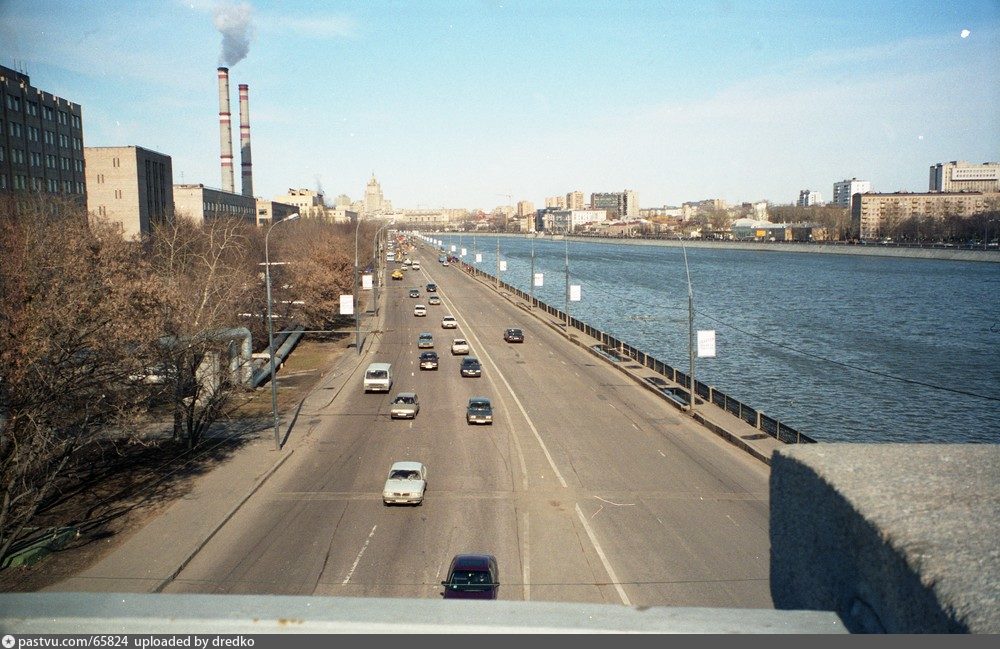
(364, 547)
(661, 452)
(482, 353)
(604, 559)
(525, 567)
(635, 427)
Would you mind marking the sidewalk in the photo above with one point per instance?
(156, 553)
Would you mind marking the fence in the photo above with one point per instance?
(619, 351)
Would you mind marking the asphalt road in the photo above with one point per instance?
(587, 487)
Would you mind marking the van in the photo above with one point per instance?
(378, 377)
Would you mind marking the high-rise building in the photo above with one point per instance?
(374, 203)
(41, 140)
(558, 202)
(845, 189)
(616, 204)
(808, 198)
(873, 215)
(130, 186)
(630, 203)
(525, 208)
(960, 176)
(574, 201)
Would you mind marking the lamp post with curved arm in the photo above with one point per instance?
(377, 260)
(270, 329)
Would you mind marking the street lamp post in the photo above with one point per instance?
(566, 241)
(498, 262)
(270, 330)
(357, 321)
(531, 280)
(691, 392)
(376, 256)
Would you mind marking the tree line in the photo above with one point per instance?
(97, 332)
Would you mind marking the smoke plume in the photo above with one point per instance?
(234, 21)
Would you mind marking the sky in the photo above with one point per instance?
(461, 104)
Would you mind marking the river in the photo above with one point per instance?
(844, 348)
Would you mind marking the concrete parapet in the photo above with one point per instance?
(897, 538)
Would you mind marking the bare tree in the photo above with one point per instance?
(207, 277)
(77, 309)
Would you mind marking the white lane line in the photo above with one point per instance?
(354, 566)
(661, 452)
(482, 353)
(604, 559)
(525, 566)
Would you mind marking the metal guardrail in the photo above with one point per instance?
(619, 351)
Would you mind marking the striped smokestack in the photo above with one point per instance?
(226, 132)
(247, 174)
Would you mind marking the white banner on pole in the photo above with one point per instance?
(503, 265)
(346, 305)
(706, 344)
(479, 257)
(538, 279)
(366, 282)
(453, 248)
(574, 292)
(463, 253)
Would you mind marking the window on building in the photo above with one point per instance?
(36, 184)
(62, 117)
(118, 193)
(77, 144)
(78, 165)
(17, 156)
(32, 134)
(36, 159)
(115, 163)
(52, 185)
(48, 113)
(76, 121)
(2, 154)
(19, 182)
(79, 187)
(32, 107)
(13, 103)
(14, 129)
(50, 138)
(68, 186)
(64, 164)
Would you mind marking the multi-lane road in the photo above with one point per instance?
(587, 487)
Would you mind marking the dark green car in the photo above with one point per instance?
(480, 411)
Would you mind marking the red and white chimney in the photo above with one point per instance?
(245, 165)
(226, 132)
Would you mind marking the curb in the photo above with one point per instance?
(260, 482)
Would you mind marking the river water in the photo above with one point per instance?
(843, 348)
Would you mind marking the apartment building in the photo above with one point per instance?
(872, 214)
(843, 190)
(41, 140)
(130, 186)
(808, 198)
(574, 201)
(961, 176)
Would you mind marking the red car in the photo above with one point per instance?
(472, 576)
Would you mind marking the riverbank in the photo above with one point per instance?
(868, 250)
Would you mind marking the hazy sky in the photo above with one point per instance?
(459, 103)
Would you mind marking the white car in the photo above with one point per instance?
(459, 346)
(432, 300)
(419, 310)
(449, 322)
(405, 484)
(415, 265)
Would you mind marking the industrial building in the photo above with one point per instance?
(130, 186)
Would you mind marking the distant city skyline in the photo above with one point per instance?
(456, 104)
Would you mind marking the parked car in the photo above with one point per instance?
(472, 576)
(433, 300)
(513, 335)
(414, 292)
(419, 310)
(428, 360)
(444, 263)
(449, 322)
(459, 346)
(425, 341)
(431, 288)
(479, 411)
(471, 367)
(405, 484)
(442, 259)
(397, 274)
(404, 406)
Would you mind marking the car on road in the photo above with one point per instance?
(414, 292)
(404, 406)
(415, 265)
(425, 341)
(472, 576)
(405, 484)
(444, 263)
(479, 411)
(419, 310)
(513, 335)
(471, 367)
(431, 288)
(397, 274)
(428, 360)
(449, 322)
(433, 300)
(459, 346)
(442, 259)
